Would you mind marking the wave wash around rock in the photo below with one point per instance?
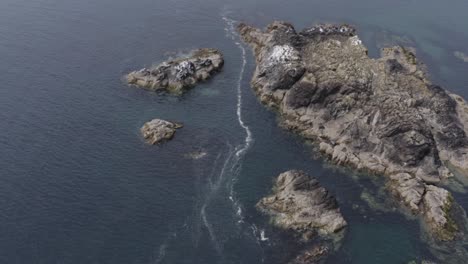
(377, 115)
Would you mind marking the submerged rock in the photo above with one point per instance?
(460, 55)
(378, 115)
(196, 155)
(175, 76)
(158, 130)
(315, 255)
(299, 203)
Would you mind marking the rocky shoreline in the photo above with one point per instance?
(380, 115)
(176, 76)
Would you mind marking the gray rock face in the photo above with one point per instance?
(378, 115)
(158, 130)
(175, 76)
(300, 204)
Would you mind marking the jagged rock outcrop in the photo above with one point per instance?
(378, 115)
(158, 130)
(175, 76)
(299, 203)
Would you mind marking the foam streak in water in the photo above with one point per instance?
(231, 167)
(248, 139)
(210, 230)
(213, 189)
(204, 201)
(242, 149)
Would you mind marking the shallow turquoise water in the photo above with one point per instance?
(78, 184)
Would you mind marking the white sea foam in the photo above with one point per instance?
(214, 185)
(163, 248)
(263, 236)
(210, 231)
(242, 149)
(217, 183)
(231, 167)
(231, 33)
(199, 220)
(258, 234)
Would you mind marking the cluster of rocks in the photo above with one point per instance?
(177, 75)
(377, 115)
(158, 130)
(300, 204)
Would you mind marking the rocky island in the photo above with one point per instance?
(175, 76)
(381, 116)
(158, 130)
(300, 204)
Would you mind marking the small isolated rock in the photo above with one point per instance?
(299, 203)
(158, 130)
(175, 76)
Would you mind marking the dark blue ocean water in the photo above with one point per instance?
(79, 185)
